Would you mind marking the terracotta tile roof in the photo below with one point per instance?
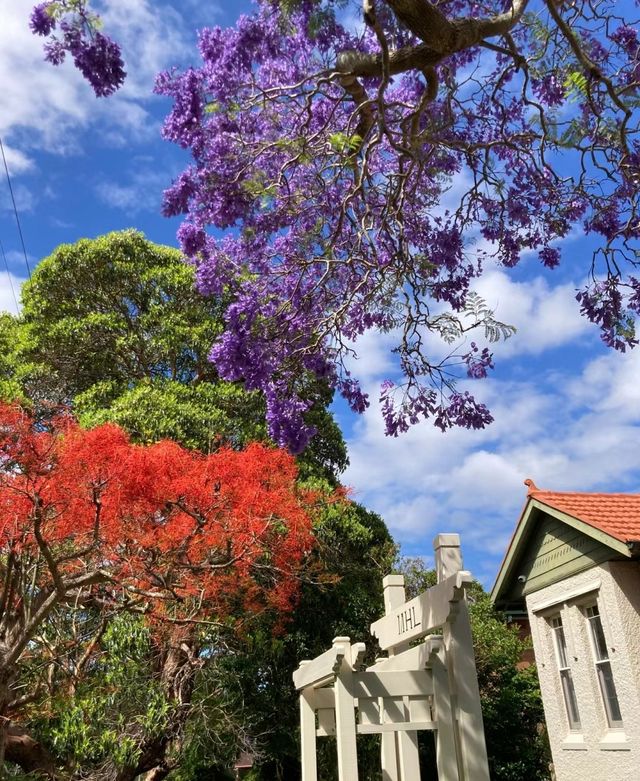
(615, 514)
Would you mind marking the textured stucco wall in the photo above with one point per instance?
(595, 752)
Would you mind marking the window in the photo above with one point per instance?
(603, 666)
(566, 679)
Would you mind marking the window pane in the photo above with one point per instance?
(560, 642)
(603, 667)
(597, 634)
(570, 699)
(566, 680)
(609, 694)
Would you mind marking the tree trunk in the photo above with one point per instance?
(28, 753)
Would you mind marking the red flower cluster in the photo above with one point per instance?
(173, 533)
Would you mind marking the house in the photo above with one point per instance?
(572, 570)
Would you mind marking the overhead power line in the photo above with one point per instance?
(6, 265)
(15, 209)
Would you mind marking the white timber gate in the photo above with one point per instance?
(429, 685)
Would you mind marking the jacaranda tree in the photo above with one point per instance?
(362, 174)
(93, 528)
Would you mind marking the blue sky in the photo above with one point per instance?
(567, 411)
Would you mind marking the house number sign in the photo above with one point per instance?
(408, 620)
(420, 615)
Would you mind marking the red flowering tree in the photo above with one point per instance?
(91, 523)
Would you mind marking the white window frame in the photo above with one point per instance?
(602, 663)
(565, 673)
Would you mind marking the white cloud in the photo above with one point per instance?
(545, 316)
(17, 161)
(9, 292)
(140, 191)
(25, 199)
(36, 96)
(45, 107)
(152, 36)
(568, 430)
(611, 386)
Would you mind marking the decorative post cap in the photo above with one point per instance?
(448, 555)
(446, 541)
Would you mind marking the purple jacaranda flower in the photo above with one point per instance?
(100, 62)
(42, 22)
(96, 56)
(320, 227)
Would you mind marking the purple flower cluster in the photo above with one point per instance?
(478, 362)
(96, 56)
(627, 37)
(331, 234)
(550, 89)
(602, 303)
(420, 403)
(42, 21)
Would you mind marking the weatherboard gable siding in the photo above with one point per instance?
(555, 552)
(549, 545)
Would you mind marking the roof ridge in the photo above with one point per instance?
(615, 514)
(533, 489)
(607, 494)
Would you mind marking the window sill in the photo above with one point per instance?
(614, 741)
(574, 742)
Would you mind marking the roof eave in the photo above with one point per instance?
(522, 529)
(508, 561)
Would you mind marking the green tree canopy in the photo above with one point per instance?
(114, 327)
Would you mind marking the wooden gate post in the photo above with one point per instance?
(399, 750)
(446, 755)
(345, 714)
(463, 679)
(308, 736)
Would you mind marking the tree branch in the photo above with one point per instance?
(28, 753)
(400, 60)
(445, 36)
(440, 38)
(45, 608)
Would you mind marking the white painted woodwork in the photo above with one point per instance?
(448, 555)
(368, 711)
(308, 738)
(421, 708)
(326, 722)
(420, 615)
(345, 715)
(397, 727)
(409, 759)
(446, 754)
(392, 684)
(461, 667)
(416, 658)
(319, 670)
(430, 686)
(567, 594)
(406, 749)
(322, 698)
(394, 596)
(389, 757)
